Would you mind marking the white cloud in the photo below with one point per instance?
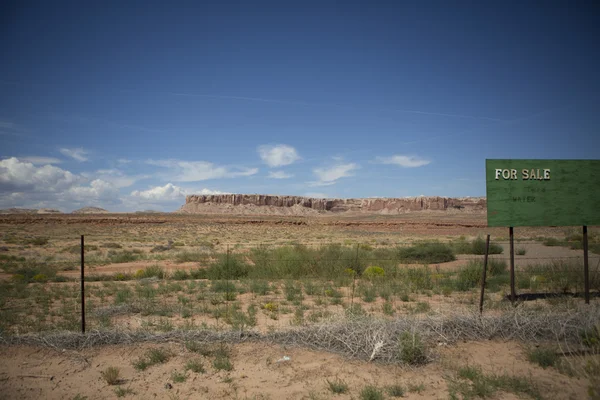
(278, 155)
(78, 154)
(116, 177)
(279, 175)
(403, 161)
(329, 176)
(15, 173)
(40, 160)
(316, 195)
(96, 191)
(22, 184)
(193, 171)
(168, 192)
(123, 161)
(208, 191)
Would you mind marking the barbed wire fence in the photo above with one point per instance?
(168, 295)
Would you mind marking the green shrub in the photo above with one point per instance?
(371, 392)
(122, 392)
(36, 273)
(374, 272)
(180, 275)
(496, 266)
(395, 390)
(222, 362)
(40, 278)
(228, 267)
(520, 251)
(411, 348)
(153, 271)
(543, 356)
(478, 247)
(551, 242)
(427, 253)
(469, 276)
(260, 287)
(337, 386)
(151, 357)
(417, 278)
(195, 365)
(591, 337)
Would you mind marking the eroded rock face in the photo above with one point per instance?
(376, 205)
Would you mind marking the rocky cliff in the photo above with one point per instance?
(296, 204)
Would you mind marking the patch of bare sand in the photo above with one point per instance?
(26, 371)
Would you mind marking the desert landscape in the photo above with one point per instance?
(258, 297)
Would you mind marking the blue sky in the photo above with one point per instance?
(132, 105)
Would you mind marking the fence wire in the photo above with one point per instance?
(170, 288)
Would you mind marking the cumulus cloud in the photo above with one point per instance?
(193, 171)
(78, 154)
(279, 175)
(15, 173)
(23, 184)
(278, 155)
(96, 191)
(329, 176)
(403, 161)
(35, 160)
(168, 192)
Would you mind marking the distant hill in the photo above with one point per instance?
(19, 211)
(149, 212)
(48, 211)
(90, 210)
(30, 211)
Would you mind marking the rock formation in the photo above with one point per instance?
(206, 203)
(90, 210)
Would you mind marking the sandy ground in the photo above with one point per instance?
(35, 373)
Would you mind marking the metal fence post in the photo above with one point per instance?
(82, 286)
(586, 270)
(513, 295)
(483, 276)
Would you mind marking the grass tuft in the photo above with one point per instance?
(371, 392)
(337, 386)
(111, 375)
(543, 356)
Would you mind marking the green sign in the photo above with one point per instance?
(543, 192)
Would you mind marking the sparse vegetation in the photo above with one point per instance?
(543, 356)
(195, 365)
(150, 358)
(337, 386)
(178, 377)
(412, 349)
(427, 253)
(471, 382)
(395, 390)
(371, 392)
(111, 375)
(122, 392)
